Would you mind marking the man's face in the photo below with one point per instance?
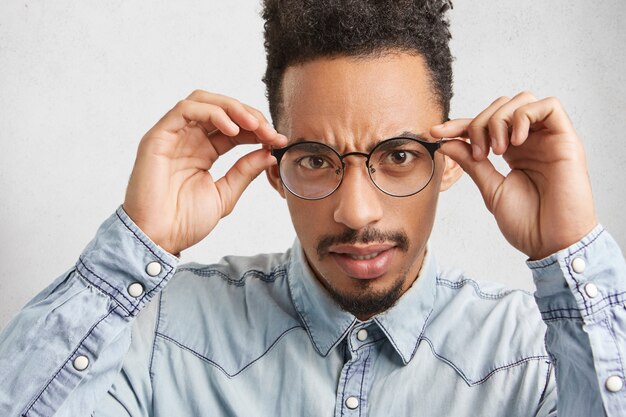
(365, 247)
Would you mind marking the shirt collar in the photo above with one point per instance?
(327, 323)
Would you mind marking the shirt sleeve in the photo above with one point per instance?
(62, 352)
(581, 293)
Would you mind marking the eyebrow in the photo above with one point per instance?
(406, 134)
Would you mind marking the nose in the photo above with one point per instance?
(358, 199)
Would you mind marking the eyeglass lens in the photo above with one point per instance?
(399, 167)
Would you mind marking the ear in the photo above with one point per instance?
(452, 171)
(273, 177)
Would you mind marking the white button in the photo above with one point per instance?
(361, 335)
(352, 403)
(153, 269)
(81, 363)
(135, 290)
(578, 265)
(591, 290)
(614, 383)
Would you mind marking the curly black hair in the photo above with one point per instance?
(298, 31)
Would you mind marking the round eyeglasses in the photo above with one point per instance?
(400, 167)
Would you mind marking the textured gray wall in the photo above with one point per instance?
(80, 83)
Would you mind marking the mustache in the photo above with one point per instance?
(369, 235)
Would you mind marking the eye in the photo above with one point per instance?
(313, 162)
(399, 157)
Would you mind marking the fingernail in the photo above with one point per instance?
(493, 142)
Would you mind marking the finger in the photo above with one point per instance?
(478, 129)
(451, 128)
(502, 120)
(234, 108)
(265, 127)
(251, 118)
(223, 143)
(548, 112)
(239, 176)
(482, 172)
(210, 116)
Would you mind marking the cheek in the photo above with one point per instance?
(310, 218)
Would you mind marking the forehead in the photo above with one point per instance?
(351, 103)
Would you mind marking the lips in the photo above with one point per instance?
(363, 262)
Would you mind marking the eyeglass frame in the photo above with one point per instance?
(431, 147)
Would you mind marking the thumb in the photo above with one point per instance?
(232, 185)
(483, 173)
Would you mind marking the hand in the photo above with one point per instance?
(544, 204)
(171, 195)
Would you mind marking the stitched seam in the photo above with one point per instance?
(567, 262)
(544, 266)
(369, 352)
(576, 251)
(156, 330)
(156, 288)
(141, 240)
(561, 317)
(103, 280)
(605, 302)
(421, 334)
(460, 284)
(545, 387)
(554, 310)
(136, 304)
(393, 342)
(298, 307)
(597, 307)
(312, 335)
(612, 333)
(486, 377)
(215, 364)
(241, 281)
(111, 296)
(65, 362)
(373, 342)
(343, 390)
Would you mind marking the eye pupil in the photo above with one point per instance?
(316, 162)
(398, 156)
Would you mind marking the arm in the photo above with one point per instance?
(64, 348)
(544, 208)
(581, 293)
(62, 352)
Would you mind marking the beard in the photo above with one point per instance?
(363, 300)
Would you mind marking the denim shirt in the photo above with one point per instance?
(128, 332)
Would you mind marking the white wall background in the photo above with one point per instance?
(81, 81)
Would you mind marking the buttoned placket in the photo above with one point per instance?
(356, 378)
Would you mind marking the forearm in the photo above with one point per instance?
(581, 293)
(64, 349)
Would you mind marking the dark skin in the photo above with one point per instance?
(543, 205)
(351, 105)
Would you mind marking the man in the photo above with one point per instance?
(355, 319)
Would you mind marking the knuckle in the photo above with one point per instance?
(501, 99)
(519, 113)
(475, 131)
(181, 104)
(526, 94)
(197, 93)
(554, 102)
